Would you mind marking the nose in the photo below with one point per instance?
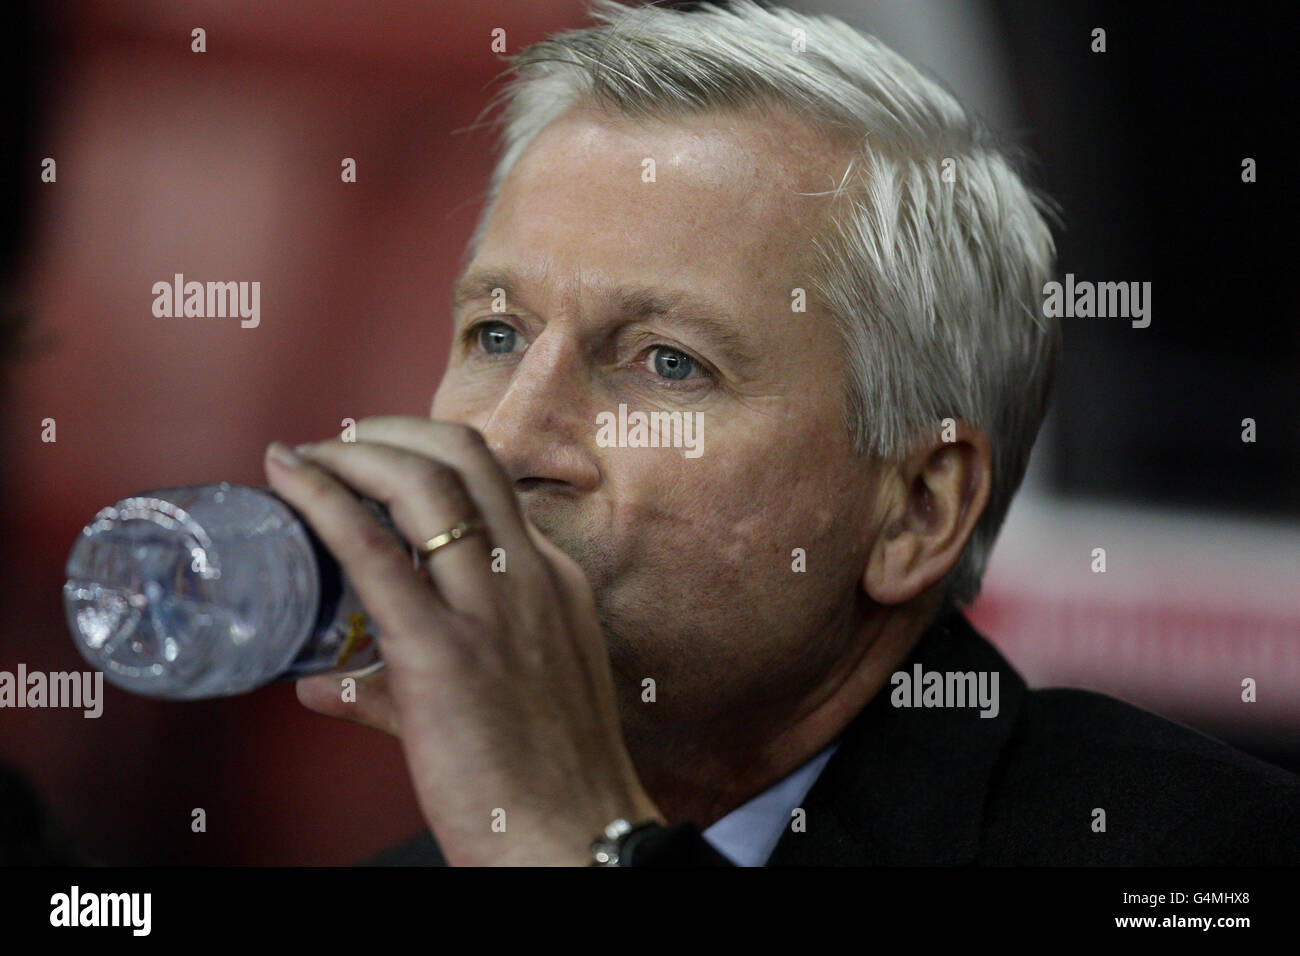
(540, 430)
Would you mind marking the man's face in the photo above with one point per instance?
(675, 296)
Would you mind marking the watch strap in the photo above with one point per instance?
(653, 844)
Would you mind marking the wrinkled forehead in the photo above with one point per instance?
(720, 202)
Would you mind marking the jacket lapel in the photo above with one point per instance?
(907, 785)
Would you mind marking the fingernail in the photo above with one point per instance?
(283, 455)
(306, 448)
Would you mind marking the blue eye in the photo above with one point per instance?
(672, 364)
(497, 338)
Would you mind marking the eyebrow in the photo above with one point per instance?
(679, 308)
(481, 284)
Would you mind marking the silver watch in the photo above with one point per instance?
(613, 846)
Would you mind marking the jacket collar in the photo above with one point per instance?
(907, 786)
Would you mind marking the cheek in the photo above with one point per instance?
(659, 499)
(778, 510)
(731, 523)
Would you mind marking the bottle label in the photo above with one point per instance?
(343, 640)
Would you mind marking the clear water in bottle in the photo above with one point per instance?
(208, 591)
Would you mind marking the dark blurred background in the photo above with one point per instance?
(225, 165)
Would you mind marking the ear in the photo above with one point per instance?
(931, 501)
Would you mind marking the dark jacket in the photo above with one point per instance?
(943, 785)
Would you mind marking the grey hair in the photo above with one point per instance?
(935, 253)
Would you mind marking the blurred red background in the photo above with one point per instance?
(225, 165)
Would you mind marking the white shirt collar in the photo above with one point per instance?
(748, 834)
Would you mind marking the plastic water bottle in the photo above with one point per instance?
(209, 591)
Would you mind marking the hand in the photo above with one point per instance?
(497, 683)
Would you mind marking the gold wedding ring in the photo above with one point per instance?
(454, 533)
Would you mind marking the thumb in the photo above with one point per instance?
(365, 700)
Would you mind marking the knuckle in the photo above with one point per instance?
(315, 483)
(377, 543)
(430, 479)
(468, 438)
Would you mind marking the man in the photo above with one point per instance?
(747, 365)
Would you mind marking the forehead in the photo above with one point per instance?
(710, 202)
